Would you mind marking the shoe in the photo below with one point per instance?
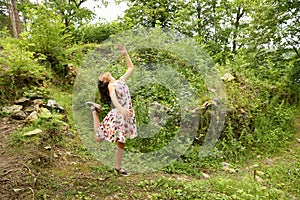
(122, 172)
(94, 106)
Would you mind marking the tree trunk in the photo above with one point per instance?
(198, 18)
(24, 19)
(215, 23)
(14, 17)
(239, 15)
(296, 51)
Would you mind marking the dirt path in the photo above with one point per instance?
(12, 171)
(297, 124)
(19, 180)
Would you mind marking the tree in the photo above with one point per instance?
(151, 13)
(4, 19)
(14, 17)
(290, 24)
(71, 11)
(46, 37)
(217, 24)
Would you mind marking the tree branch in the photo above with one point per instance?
(296, 50)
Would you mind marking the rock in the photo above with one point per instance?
(23, 101)
(259, 179)
(38, 102)
(260, 173)
(227, 77)
(15, 111)
(12, 109)
(242, 111)
(156, 120)
(195, 110)
(231, 170)
(254, 166)
(269, 161)
(47, 148)
(213, 90)
(157, 107)
(35, 107)
(70, 135)
(30, 109)
(207, 104)
(298, 140)
(32, 117)
(64, 126)
(33, 95)
(45, 113)
(19, 115)
(225, 164)
(205, 175)
(17, 190)
(225, 168)
(53, 104)
(34, 132)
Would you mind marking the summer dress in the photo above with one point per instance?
(115, 127)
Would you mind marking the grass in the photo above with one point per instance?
(73, 176)
(70, 172)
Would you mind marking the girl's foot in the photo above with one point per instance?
(121, 172)
(94, 106)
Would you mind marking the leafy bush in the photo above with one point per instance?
(19, 69)
(97, 33)
(47, 37)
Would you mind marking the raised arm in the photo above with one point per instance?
(130, 66)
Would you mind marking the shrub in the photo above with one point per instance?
(47, 37)
(19, 69)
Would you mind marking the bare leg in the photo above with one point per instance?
(119, 154)
(96, 126)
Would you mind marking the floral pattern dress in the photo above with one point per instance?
(115, 127)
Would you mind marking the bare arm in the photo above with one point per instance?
(114, 100)
(130, 66)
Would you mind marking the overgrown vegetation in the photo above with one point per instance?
(261, 101)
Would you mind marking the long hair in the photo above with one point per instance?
(104, 92)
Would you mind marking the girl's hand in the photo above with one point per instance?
(122, 50)
(126, 112)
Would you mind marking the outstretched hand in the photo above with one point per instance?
(122, 49)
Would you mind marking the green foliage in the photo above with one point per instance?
(153, 13)
(52, 127)
(216, 188)
(73, 13)
(4, 18)
(97, 33)
(77, 53)
(19, 69)
(47, 37)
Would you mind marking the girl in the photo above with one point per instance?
(120, 122)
